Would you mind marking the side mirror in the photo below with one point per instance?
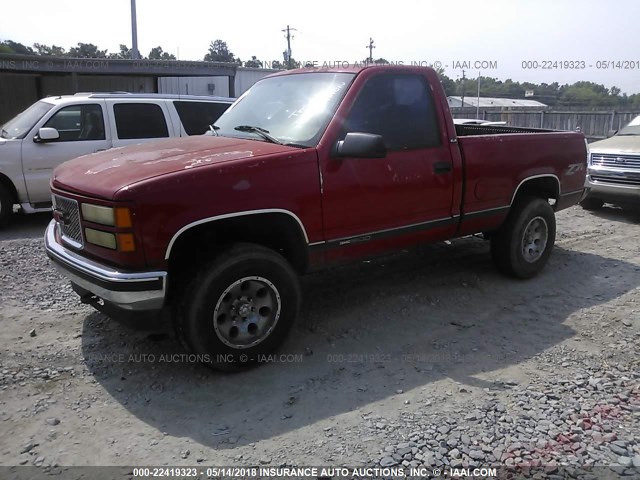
(46, 135)
(611, 133)
(361, 145)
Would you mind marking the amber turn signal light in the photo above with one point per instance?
(126, 242)
(123, 217)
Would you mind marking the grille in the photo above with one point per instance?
(70, 223)
(616, 180)
(622, 161)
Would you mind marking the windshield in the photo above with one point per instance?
(20, 125)
(632, 129)
(293, 109)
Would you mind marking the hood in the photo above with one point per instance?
(103, 174)
(624, 144)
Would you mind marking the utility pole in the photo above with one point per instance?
(135, 54)
(463, 78)
(288, 37)
(370, 47)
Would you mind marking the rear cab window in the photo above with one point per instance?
(140, 120)
(197, 116)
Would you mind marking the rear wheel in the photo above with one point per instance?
(591, 203)
(523, 244)
(6, 206)
(239, 307)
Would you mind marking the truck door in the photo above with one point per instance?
(82, 130)
(404, 198)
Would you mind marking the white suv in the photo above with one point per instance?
(56, 129)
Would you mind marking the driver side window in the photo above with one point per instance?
(400, 108)
(78, 123)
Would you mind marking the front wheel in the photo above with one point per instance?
(239, 308)
(524, 243)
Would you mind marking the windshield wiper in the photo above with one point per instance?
(259, 131)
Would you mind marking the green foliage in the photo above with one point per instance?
(219, 52)
(125, 53)
(87, 50)
(579, 95)
(157, 53)
(9, 46)
(253, 63)
(53, 50)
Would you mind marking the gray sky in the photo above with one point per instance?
(507, 32)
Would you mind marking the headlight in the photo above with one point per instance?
(119, 217)
(102, 239)
(114, 217)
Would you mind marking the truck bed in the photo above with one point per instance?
(473, 130)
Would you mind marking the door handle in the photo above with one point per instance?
(442, 167)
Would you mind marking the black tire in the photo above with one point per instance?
(524, 243)
(254, 292)
(6, 206)
(592, 203)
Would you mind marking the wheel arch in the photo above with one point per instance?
(8, 184)
(545, 186)
(279, 230)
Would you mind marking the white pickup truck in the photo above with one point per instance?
(614, 169)
(57, 129)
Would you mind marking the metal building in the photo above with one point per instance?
(244, 79)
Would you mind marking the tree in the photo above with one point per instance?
(381, 61)
(253, 63)
(157, 53)
(278, 65)
(219, 52)
(87, 50)
(125, 53)
(9, 46)
(53, 50)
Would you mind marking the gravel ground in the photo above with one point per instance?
(430, 360)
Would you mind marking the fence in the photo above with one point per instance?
(595, 125)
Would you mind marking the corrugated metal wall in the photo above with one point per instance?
(63, 84)
(17, 92)
(246, 77)
(218, 86)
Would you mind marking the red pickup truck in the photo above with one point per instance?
(307, 169)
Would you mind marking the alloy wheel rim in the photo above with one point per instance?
(534, 239)
(247, 312)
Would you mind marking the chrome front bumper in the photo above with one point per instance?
(127, 290)
(619, 183)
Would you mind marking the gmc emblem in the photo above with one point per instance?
(58, 216)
